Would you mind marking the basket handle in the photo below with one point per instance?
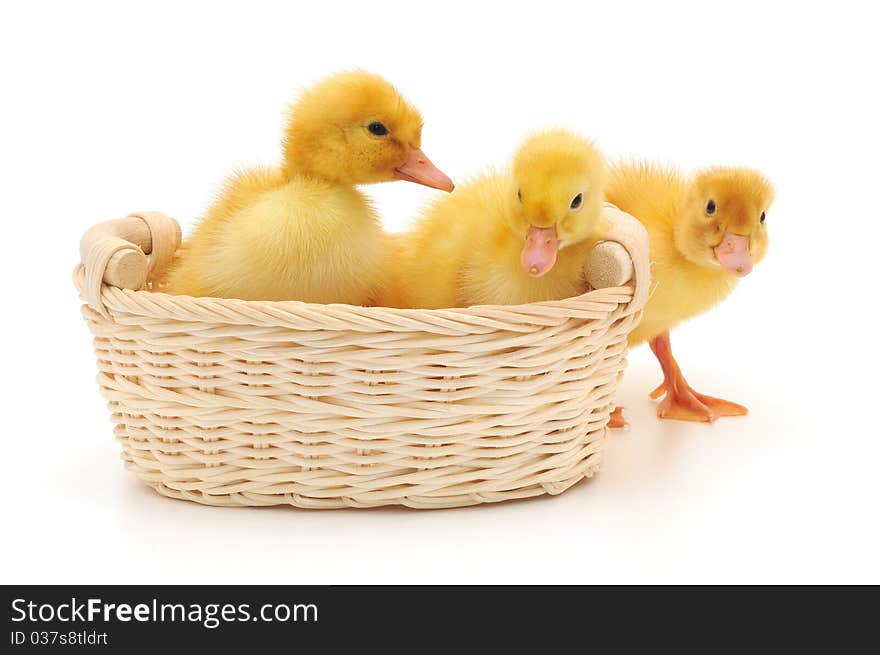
(124, 251)
(622, 257)
(608, 265)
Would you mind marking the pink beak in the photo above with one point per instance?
(733, 254)
(419, 169)
(539, 254)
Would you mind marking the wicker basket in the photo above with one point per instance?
(229, 402)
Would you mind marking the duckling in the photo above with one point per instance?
(706, 233)
(303, 231)
(508, 238)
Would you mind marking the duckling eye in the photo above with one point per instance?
(378, 129)
(577, 200)
(710, 208)
(519, 194)
(763, 216)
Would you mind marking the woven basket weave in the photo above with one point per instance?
(229, 402)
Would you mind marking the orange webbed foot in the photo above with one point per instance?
(617, 420)
(685, 404)
(680, 401)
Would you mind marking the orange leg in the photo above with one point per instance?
(680, 401)
(617, 420)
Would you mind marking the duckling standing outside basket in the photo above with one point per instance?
(303, 231)
(706, 233)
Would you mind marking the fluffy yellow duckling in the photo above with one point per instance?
(303, 231)
(706, 232)
(508, 238)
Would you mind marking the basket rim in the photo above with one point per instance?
(618, 295)
(153, 239)
(595, 304)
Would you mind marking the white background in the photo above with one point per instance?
(115, 107)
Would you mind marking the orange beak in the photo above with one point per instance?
(419, 169)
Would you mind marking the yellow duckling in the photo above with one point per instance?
(508, 238)
(706, 232)
(303, 231)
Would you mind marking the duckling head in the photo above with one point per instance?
(355, 128)
(558, 182)
(723, 221)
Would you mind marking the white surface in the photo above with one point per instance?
(111, 108)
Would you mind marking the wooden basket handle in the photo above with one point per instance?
(609, 265)
(623, 257)
(123, 252)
